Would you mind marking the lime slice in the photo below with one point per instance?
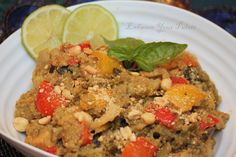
(43, 29)
(90, 22)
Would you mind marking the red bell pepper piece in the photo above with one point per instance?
(179, 80)
(52, 150)
(84, 45)
(85, 135)
(139, 148)
(47, 101)
(163, 115)
(212, 121)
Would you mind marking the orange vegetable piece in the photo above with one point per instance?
(89, 101)
(189, 60)
(185, 96)
(106, 64)
(139, 148)
(185, 59)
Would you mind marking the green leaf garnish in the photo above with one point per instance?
(152, 54)
(146, 55)
(123, 49)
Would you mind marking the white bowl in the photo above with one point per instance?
(214, 47)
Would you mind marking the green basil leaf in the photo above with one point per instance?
(131, 43)
(149, 55)
(123, 49)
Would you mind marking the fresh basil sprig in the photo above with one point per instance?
(146, 55)
(123, 49)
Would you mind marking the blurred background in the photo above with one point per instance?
(13, 13)
(221, 12)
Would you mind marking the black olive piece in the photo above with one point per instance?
(172, 139)
(95, 139)
(78, 65)
(123, 122)
(156, 135)
(63, 69)
(185, 145)
(178, 132)
(116, 71)
(204, 137)
(51, 69)
(131, 66)
(69, 70)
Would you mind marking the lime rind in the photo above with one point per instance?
(47, 8)
(104, 10)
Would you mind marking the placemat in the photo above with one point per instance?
(13, 13)
(7, 151)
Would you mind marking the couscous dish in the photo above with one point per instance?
(88, 102)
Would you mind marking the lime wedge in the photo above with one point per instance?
(43, 29)
(90, 22)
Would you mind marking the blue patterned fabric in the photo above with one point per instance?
(225, 17)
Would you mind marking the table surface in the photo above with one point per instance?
(220, 12)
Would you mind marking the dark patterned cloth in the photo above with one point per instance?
(7, 151)
(13, 13)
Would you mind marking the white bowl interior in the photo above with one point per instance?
(149, 21)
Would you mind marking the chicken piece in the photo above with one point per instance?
(71, 127)
(39, 136)
(71, 135)
(141, 86)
